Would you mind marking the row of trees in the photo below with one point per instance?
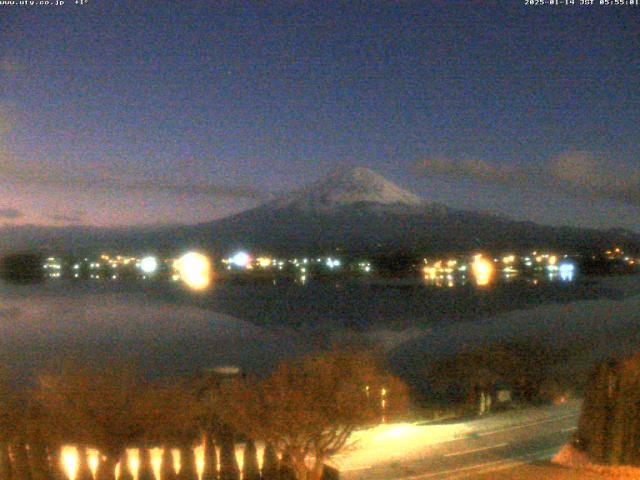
(609, 426)
(304, 412)
(524, 368)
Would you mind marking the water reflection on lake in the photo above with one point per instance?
(166, 328)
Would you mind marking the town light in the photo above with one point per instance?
(567, 271)
(482, 270)
(241, 259)
(195, 270)
(149, 264)
(264, 262)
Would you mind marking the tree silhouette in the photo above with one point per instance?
(169, 416)
(125, 471)
(145, 471)
(228, 463)
(36, 436)
(250, 466)
(8, 425)
(84, 472)
(99, 406)
(167, 471)
(210, 471)
(609, 426)
(270, 463)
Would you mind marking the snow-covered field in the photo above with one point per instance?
(592, 329)
(425, 447)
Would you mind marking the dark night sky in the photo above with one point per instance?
(122, 112)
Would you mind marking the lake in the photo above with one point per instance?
(168, 330)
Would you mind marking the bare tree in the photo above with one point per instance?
(99, 407)
(145, 470)
(9, 418)
(270, 463)
(125, 471)
(167, 471)
(210, 471)
(84, 472)
(308, 408)
(229, 469)
(13, 429)
(170, 417)
(250, 466)
(36, 434)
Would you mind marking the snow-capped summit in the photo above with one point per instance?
(347, 187)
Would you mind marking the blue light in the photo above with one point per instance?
(567, 271)
(241, 259)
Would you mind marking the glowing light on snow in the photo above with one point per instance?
(93, 458)
(156, 461)
(177, 461)
(199, 453)
(69, 459)
(134, 462)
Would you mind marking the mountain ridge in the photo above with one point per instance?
(354, 210)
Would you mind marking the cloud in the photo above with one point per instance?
(476, 169)
(73, 217)
(584, 173)
(5, 127)
(10, 213)
(574, 172)
(50, 176)
(117, 177)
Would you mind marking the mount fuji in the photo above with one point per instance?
(355, 211)
(359, 211)
(348, 187)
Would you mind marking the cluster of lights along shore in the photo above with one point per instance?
(197, 270)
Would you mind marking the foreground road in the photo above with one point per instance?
(459, 450)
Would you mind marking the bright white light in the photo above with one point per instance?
(149, 264)
(567, 271)
(194, 270)
(241, 259)
(332, 263)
